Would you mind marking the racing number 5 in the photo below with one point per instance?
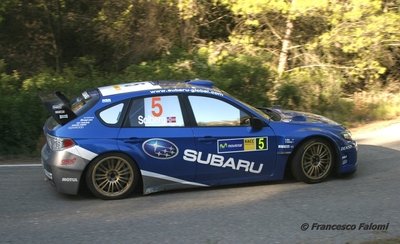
(261, 143)
(156, 107)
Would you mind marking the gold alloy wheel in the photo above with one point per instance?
(316, 160)
(112, 176)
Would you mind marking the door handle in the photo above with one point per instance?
(134, 140)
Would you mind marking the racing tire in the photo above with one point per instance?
(313, 161)
(112, 176)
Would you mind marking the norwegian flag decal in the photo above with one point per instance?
(171, 119)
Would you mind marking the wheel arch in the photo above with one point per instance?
(331, 143)
(83, 183)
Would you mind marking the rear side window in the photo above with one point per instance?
(158, 111)
(112, 114)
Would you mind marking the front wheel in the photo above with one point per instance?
(112, 176)
(313, 161)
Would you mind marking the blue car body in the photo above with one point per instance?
(175, 150)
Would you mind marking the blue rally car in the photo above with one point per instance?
(154, 136)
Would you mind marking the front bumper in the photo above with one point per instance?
(64, 169)
(348, 158)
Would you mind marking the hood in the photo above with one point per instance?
(297, 116)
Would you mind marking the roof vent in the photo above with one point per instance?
(204, 83)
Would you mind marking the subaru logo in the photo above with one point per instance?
(160, 148)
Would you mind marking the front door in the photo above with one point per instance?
(228, 150)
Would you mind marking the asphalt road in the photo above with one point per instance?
(32, 212)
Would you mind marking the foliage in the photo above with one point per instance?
(337, 58)
(365, 37)
(243, 76)
(21, 116)
(376, 105)
(310, 90)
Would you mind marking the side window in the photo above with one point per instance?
(213, 112)
(112, 114)
(155, 112)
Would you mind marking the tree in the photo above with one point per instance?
(266, 17)
(364, 41)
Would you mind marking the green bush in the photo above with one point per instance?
(315, 91)
(22, 117)
(245, 77)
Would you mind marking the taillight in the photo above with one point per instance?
(58, 143)
(68, 143)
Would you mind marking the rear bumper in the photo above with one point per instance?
(63, 169)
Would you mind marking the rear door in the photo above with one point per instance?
(155, 135)
(228, 149)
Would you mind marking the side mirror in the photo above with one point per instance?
(257, 123)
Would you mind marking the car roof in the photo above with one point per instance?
(155, 85)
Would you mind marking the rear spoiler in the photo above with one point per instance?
(59, 107)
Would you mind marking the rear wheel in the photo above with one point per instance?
(112, 176)
(313, 161)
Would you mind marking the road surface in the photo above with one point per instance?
(367, 204)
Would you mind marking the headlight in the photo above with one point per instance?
(347, 135)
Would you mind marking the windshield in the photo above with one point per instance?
(258, 111)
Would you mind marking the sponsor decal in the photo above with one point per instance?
(346, 147)
(160, 148)
(68, 161)
(106, 100)
(221, 161)
(188, 90)
(64, 116)
(56, 106)
(242, 145)
(82, 123)
(130, 87)
(69, 179)
(85, 95)
(285, 146)
(231, 145)
(59, 111)
(289, 141)
(344, 159)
